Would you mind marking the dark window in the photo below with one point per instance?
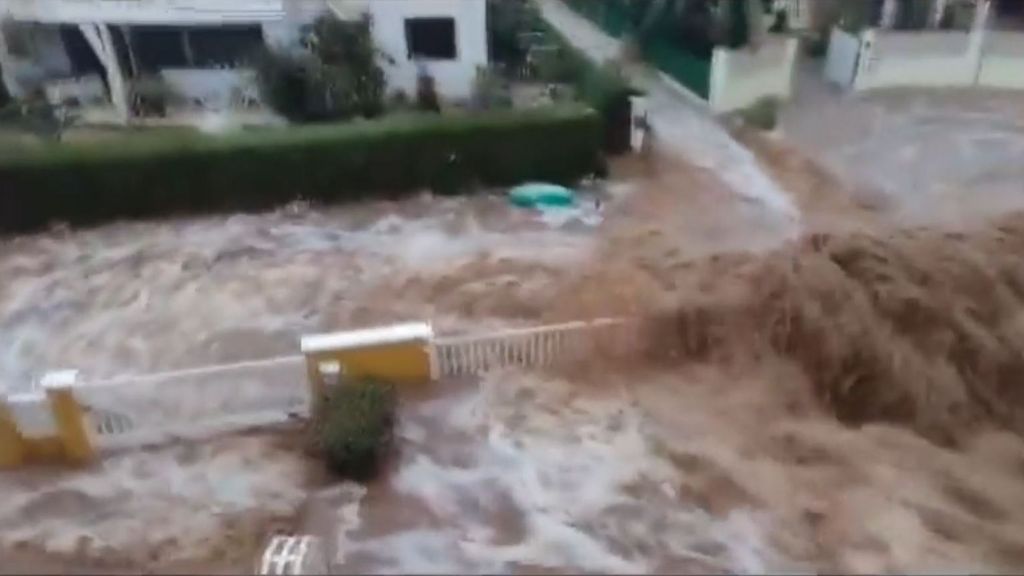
(432, 38)
(224, 45)
(158, 47)
(83, 58)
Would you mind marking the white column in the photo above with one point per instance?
(938, 7)
(976, 47)
(102, 43)
(981, 11)
(888, 14)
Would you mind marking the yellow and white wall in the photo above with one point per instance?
(65, 420)
(46, 425)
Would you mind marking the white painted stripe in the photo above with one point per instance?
(353, 339)
(32, 415)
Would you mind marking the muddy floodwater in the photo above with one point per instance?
(769, 427)
(134, 298)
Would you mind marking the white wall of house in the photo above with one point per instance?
(145, 11)
(453, 78)
(742, 76)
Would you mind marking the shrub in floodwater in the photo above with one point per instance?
(355, 427)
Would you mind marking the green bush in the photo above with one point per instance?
(4, 96)
(85, 184)
(339, 77)
(286, 85)
(355, 428)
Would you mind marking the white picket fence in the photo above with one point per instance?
(154, 408)
(527, 347)
(293, 555)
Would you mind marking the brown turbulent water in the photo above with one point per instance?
(844, 399)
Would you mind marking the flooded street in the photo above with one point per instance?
(820, 374)
(490, 476)
(735, 445)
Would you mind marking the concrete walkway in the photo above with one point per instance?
(683, 124)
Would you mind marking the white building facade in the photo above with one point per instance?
(92, 49)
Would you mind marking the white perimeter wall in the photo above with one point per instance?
(994, 59)
(921, 58)
(841, 61)
(741, 77)
(454, 78)
(1002, 65)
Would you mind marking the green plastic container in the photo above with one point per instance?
(539, 195)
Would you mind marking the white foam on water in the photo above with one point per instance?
(135, 298)
(524, 471)
(176, 500)
(558, 216)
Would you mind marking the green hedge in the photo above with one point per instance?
(151, 177)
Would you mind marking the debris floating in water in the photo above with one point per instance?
(540, 195)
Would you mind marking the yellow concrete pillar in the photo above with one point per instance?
(12, 446)
(68, 416)
(398, 353)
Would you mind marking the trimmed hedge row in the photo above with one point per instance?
(151, 177)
